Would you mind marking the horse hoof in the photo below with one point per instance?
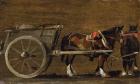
(70, 74)
(73, 71)
(106, 76)
(130, 74)
(123, 74)
(103, 74)
(69, 71)
(135, 68)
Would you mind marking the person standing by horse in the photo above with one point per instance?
(129, 50)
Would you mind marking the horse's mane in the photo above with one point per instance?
(109, 31)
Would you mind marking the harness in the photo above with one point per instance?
(133, 53)
(93, 35)
(91, 38)
(131, 34)
(128, 55)
(104, 41)
(77, 40)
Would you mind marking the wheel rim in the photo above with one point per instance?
(25, 57)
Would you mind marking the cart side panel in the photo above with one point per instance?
(48, 37)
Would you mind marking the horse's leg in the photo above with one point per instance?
(135, 64)
(101, 66)
(123, 73)
(97, 69)
(70, 69)
(130, 67)
(98, 66)
(71, 62)
(65, 59)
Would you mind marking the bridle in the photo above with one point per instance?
(104, 39)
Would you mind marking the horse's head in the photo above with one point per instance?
(118, 31)
(133, 28)
(113, 32)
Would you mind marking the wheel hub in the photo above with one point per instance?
(24, 54)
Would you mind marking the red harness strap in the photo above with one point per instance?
(94, 34)
(131, 34)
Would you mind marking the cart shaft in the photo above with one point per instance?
(82, 52)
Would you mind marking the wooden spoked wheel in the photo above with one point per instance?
(25, 56)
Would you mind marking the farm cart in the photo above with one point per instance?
(28, 50)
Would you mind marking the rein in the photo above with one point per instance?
(130, 34)
(110, 37)
(127, 55)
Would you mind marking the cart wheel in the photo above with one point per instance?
(25, 57)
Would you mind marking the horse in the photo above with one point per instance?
(99, 40)
(130, 47)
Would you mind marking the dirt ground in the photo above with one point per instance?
(82, 79)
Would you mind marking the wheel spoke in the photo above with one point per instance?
(22, 66)
(36, 58)
(17, 63)
(35, 62)
(36, 53)
(33, 50)
(29, 44)
(17, 51)
(22, 45)
(14, 59)
(29, 66)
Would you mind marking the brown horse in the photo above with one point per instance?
(96, 41)
(130, 47)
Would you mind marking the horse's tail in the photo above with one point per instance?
(64, 44)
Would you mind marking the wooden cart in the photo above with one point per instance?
(28, 51)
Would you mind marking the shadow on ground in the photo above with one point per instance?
(89, 78)
(113, 74)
